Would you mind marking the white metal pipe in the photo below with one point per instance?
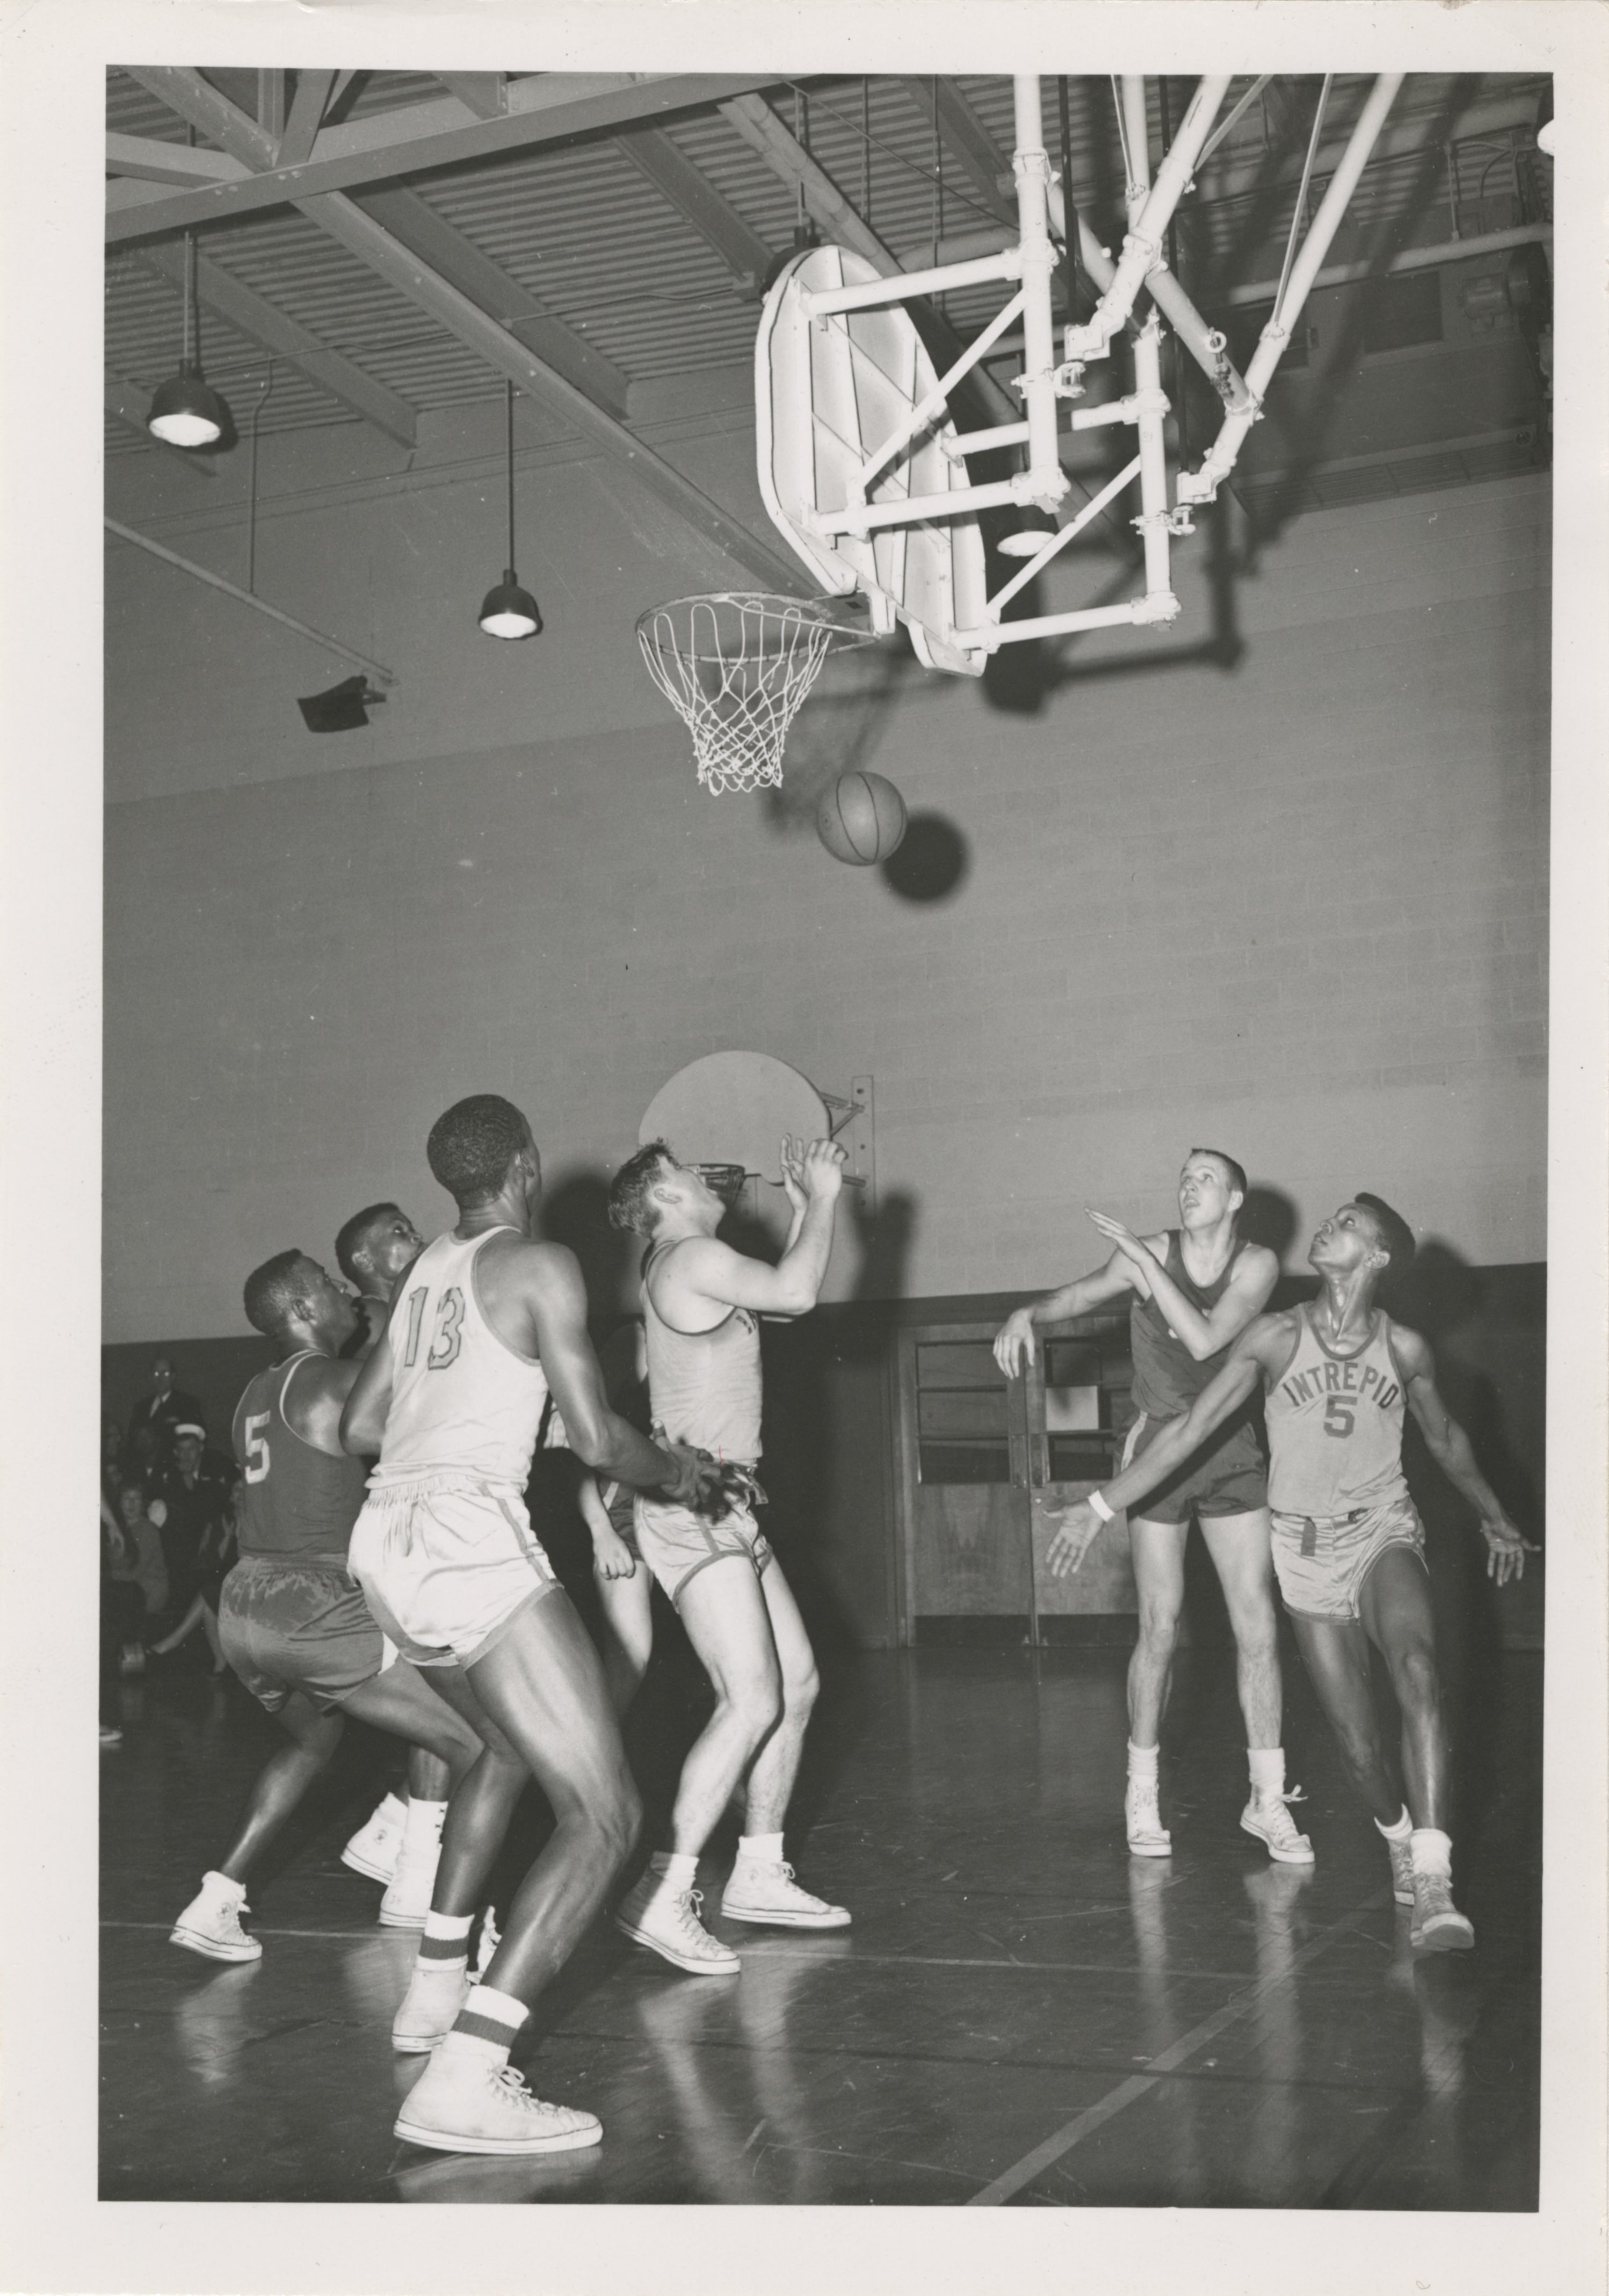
(1143, 242)
(861, 518)
(1412, 259)
(248, 598)
(1204, 344)
(826, 302)
(979, 442)
(1064, 535)
(1031, 165)
(1201, 487)
(1137, 126)
(1118, 410)
(1153, 457)
(1164, 609)
(923, 411)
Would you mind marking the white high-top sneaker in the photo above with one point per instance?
(210, 1922)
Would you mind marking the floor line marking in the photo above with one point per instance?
(1023, 2171)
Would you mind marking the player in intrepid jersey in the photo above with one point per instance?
(1349, 1549)
(484, 1323)
(1192, 1292)
(701, 1302)
(291, 1622)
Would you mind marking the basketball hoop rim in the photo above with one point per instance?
(827, 613)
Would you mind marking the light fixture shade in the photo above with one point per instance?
(184, 412)
(508, 612)
(1030, 538)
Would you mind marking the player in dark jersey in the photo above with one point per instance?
(293, 1626)
(1348, 1547)
(1193, 1290)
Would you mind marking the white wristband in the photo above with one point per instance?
(1099, 1506)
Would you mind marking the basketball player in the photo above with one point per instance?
(372, 1250)
(399, 1842)
(452, 1398)
(1193, 1290)
(1348, 1547)
(292, 1624)
(701, 1305)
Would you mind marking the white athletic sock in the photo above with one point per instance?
(1433, 1851)
(762, 1848)
(393, 1809)
(444, 1944)
(219, 1885)
(1400, 1831)
(680, 1872)
(1267, 1765)
(486, 2025)
(1142, 1763)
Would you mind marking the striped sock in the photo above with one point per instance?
(487, 2024)
(444, 1944)
(1400, 1832)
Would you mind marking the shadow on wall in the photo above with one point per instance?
(575, 1211)
(1268, 1216)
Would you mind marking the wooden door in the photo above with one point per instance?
(1072, 1400)
(964, 1497)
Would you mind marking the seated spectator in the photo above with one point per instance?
(134, 1596)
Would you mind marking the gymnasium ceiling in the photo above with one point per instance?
(398, 243)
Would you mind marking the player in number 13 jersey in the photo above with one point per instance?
(1349, 1550)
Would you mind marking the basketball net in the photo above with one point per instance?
(735, 666)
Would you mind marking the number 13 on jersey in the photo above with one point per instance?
(449, 1318)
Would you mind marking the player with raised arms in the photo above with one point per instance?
(1192, 1292)
(1337, 1374)
(701, 1302)
(487, 1321)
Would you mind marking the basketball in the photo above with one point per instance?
(860, 819)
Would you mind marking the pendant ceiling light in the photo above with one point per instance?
(508, 612)
(1027, 540)
(184, 413)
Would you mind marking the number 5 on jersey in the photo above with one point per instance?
(447, 1339)
(257, 1447)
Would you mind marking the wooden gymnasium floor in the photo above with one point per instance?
(1022, 2015)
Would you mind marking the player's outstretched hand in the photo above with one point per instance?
(1074, 1537)
(1506, 1550)
(611, 1558)
(821, 1170)
(1125, 1241)
(1015, 1342)
(792, 1171)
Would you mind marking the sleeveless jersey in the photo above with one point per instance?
(296, 1499)
(462, 1399)
(1336, 1427)
(704, 1387)
(1167, 1377)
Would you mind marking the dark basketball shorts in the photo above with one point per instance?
(299, 1623)
(1225, 1476)
(1322, 1561)
(619, 1505)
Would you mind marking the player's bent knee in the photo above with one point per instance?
(1414, 1677)
(801, 1691)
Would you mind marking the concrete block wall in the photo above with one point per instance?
(1296, 908)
